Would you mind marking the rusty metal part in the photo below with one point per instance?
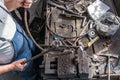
(65, 67)
(60, 7)
(117, 66)
(53, 33)
(109, 68)
(65, 2)
(83, 32)
(48, 64)
(83, 63)
(75, 16)
(108, 62)
(110, 55)
(105, 75)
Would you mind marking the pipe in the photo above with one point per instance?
(28, 31)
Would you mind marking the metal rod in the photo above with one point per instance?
(60, 7)
(39, 55)
(83, 32)
(104, 75)
(108, 67)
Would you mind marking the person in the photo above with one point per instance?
(15, 46)
(16, 65)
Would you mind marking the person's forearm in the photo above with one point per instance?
(6, 68)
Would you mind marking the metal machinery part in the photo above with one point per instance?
(65, 67)
(68, 28)
(106, 21)
(108, 24)
(63, 29)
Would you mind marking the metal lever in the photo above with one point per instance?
(37, 56)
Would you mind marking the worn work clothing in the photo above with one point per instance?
(7, 25)
(7, 31)
(23, 48)
(14, 43)
(6, 52)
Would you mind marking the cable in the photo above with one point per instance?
(28, 31)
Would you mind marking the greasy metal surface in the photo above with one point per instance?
(117, 3)
(67, 27)
(65, 67)
(115, 40)
(71, 27)
(98, 46)
(48, 63)
(64, 26)
(83, 63)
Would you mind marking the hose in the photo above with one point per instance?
(28, 31)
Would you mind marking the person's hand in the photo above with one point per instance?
(19, 64)
(27, 3)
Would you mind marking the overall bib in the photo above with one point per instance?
(23, 48)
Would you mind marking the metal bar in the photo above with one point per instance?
(104, 75)
(39, 55)
(60, 7)
(108, 67)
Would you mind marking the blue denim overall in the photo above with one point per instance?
(23, 47)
